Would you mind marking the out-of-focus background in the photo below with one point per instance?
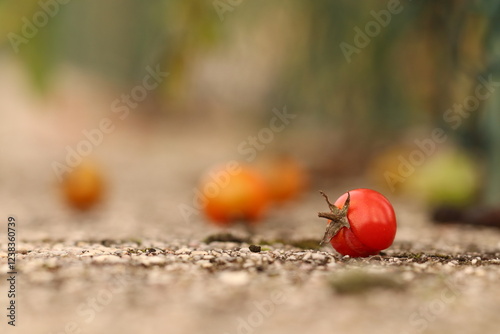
(399, 96)
(364, 81)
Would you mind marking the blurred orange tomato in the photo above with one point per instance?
(285, 177)
(83, 186)
(232, 196)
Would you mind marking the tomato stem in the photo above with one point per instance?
(337, 218)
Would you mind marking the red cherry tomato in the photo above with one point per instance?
(362, 222)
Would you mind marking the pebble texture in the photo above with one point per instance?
(223, 287)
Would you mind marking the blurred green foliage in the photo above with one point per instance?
(116, 38)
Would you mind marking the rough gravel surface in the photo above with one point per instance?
(181, 286)
(135, 265)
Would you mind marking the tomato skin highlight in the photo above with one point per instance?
(373, 224)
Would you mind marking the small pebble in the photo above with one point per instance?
(193, 253)
(318, 256)
(204, 264)
(152, 260)
(255, 248)
(307, 256)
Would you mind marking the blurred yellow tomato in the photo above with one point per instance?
(387, 161)
(83, 186)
